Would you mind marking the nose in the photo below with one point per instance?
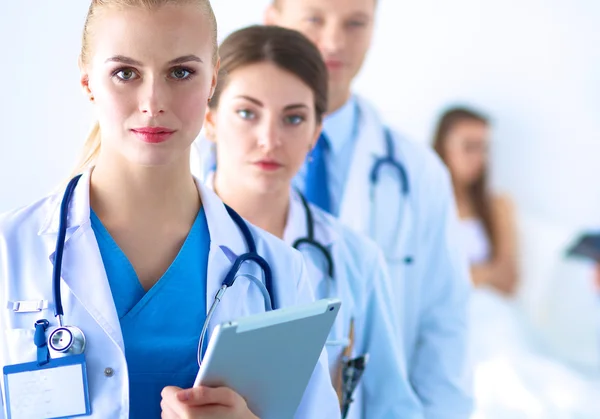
(333, 38)
(270, 135)
(153, 97)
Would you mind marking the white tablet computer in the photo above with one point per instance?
(268, 358)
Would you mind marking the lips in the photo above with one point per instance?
(333, 64)
(153, 135)
(268, 165)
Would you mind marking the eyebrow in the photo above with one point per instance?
(360, 15)
(130, 61)
(259, 103)
(354, 15)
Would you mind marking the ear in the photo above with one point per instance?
(271, 16)
(84, 79)
(210, 125)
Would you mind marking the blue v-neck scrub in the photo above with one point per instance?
(161, 327)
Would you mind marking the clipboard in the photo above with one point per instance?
(268, 358)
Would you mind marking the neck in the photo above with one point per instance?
(267, 210)
(123, 193)
(338, 98)
(464, 202)
(461, 191)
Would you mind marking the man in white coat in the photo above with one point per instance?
(408, 210)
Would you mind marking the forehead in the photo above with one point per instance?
(150, 34)
(470, 130)
(283, 88)
(338, 7)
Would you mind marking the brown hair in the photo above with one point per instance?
(91, 147)
(286, 48)
(478, 191)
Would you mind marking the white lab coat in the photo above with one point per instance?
(362, 283)
(434, 289)
(27, 243)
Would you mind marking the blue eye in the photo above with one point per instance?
(181, 73)
(126, 74)
(246, 114)
(294, 119)
(314, 19)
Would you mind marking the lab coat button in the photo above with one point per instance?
(109, 372)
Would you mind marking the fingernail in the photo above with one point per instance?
(183, 395)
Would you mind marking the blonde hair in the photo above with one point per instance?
(91, 147)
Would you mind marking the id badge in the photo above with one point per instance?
(58, 389)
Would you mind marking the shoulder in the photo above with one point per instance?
(421, 161)
(20, 239)
(502, 206)
(275, 251)
(26, 220)
(356, 248)
(502, 202)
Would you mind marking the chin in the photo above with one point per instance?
(159, 158)
(266, 185)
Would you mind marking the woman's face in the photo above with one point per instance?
(264, 126)
(466, 151)
(150, 74)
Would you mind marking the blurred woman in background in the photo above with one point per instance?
(514, 377)
(487, 220)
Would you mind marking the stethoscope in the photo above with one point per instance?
(71, 340)
(310, 240)
(390, 160)
(310, 237)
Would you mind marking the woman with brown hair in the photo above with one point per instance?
(513, 377)
(487, 220)
(263, 121)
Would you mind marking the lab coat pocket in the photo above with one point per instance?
(19, 346)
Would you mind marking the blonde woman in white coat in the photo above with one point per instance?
(146, 247)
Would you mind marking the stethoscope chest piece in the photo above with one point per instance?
(67, 340)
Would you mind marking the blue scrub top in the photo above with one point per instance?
(161, 327)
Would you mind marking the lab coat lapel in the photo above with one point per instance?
(297, 228)
(395, 213)
(226, 243)
(356, 205)
(84, 285)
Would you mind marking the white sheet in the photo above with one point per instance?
(514, 379)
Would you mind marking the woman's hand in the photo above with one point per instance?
(203, 403)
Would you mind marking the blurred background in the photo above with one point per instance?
(533, 66)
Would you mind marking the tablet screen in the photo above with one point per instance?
(587, 246)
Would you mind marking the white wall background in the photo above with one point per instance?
(534, 65)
